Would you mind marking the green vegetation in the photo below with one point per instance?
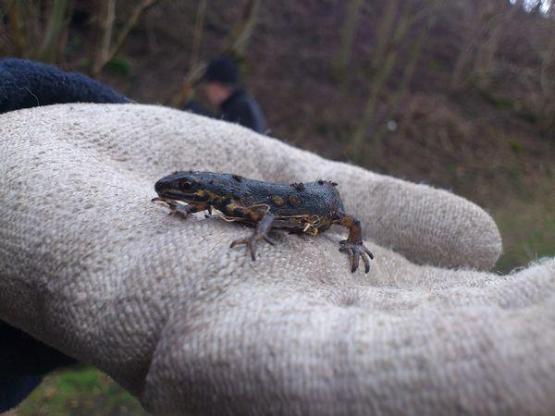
(528, 230)
(119, 66)
(80, 391)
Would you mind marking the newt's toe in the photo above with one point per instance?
(250, 243)
(356, 251)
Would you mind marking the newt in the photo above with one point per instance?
(309, 208)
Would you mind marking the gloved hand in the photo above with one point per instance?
(24, 84)
(90, 266)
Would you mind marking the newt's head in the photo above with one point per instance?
(190, 186)
(182, 186)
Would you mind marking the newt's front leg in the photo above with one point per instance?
(262, 228)
(353, 245)
(183, 210)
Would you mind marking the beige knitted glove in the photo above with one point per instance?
(90, 266)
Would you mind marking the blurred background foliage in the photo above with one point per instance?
(81, 391)
(458, 94)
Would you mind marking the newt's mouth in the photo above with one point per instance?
(175, 196)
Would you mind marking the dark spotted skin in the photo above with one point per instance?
(300, 207)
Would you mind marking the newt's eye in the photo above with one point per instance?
(185, 185)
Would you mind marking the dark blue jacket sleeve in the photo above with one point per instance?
(25, 84)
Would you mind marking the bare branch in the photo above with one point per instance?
(347, 35)
(106, 19)
(197, 33)
(196, 68)
(130, 24)
(16, 13)
(108, 54)
(243, 30)
(388, 45)
(54, 31)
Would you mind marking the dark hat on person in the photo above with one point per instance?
(222, 69)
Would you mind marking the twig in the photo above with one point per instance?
(107, 27)
(347, 36)
(196, 69)
(130, 24)
(243, 31)
(197, 34)
(54, 31)
(107, 53)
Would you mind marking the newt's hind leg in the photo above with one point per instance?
(261, 232)
(353, 245)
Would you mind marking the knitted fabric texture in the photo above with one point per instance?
(90, 266)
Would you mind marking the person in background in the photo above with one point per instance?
(222, 86)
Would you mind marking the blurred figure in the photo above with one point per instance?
(222, 87)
